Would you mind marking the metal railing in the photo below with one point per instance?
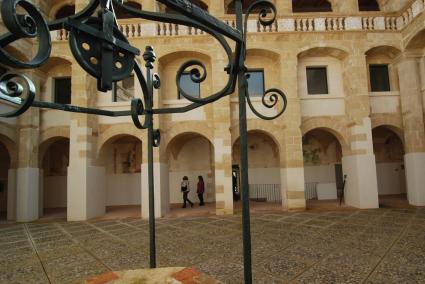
(310, 189)
(265, 192)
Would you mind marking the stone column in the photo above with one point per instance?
(361, 189)
(291, 153)
(27, 173)
(161, 183)
(359, 164)
(223, 157)
(413, 121)
(86, 188)
(222, 141)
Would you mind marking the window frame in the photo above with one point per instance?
(251, 70)
(327, 79)
(179, 96)
(54, 88)
(388, 79)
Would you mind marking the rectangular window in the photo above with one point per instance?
(256, 83)
(62, 87)
(379, 78)
(317, 81)
(189, 87)
(123, 91)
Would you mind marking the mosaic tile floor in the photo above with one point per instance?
(372, 246)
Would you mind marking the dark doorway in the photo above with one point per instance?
(236, 182)
(4, 170)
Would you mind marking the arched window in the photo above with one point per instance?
(121, 14)
(306, 6)
(229, 6)
(198, 3)
(368, 5)
(65, 11)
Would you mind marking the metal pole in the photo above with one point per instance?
(246, 231)
(149, 117)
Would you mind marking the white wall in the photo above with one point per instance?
(264, 176)
(325, 104)
(320, 174)
(54, 194)
(391, 178)
(385, 102)
(123, 189)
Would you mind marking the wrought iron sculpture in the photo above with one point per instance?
(104, 52)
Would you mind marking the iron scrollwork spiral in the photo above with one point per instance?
(28, 25)
(271, 97)
(18, 91)
(86, 29)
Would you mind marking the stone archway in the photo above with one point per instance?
(263, 167)
(322, 153)
(389, 155)
(54, 163)
(121, 156)
(191, 154)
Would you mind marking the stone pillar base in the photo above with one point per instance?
(27, 194)
(292, 184)
(161, 190)
(361, 188)
(86, 193)
(415, 178)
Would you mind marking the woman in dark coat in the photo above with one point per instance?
(185, 190)
(200, 190)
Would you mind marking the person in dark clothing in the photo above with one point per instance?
(185, 190)
(200, 190)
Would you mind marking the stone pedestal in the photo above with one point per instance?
(27, 194)
(415, 178)
(292, 180)
(361, 188)
(86, 191)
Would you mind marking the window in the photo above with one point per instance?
(62, 87)
(123, 90)
(317, 80)
(256, 83)
(306, 6)
(189, 87)
(368, 5)
(379, 78)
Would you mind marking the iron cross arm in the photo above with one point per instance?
(185, 7)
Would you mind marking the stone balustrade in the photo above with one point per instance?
(134, 28)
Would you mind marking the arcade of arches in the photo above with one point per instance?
(355, 108)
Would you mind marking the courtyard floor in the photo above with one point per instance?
(349, 246)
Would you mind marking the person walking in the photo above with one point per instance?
(185, 190)
(200, 190)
